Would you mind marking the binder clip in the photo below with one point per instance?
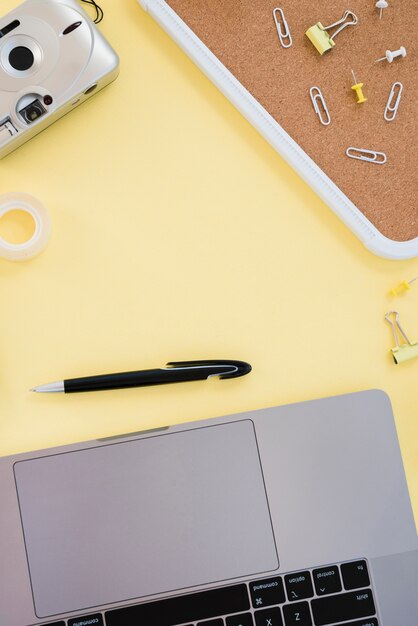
(405, 351)
(321, 39)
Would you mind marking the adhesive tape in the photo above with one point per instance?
(34, 245)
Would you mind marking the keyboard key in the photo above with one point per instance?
(355, 575)
(297, 614)
(343, 607)
(269, 617)
(212, 622)
(192, 607)
(364, 622)
(267, 592)
(327, 580)
(245, 619)
(56, 624)
(87, 620)
(299, 586)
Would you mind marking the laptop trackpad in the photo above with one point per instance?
(131, 519)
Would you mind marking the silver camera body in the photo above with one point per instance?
(52, 58)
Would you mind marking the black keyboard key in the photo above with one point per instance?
(267, 592)
(245, 619)
(327, 580)
(355, 575)
(343, 607)
(299, 586)
(192, 607)
(87, 620)
(364, 622)
(269, 617)
(297, 614)
(212, 622)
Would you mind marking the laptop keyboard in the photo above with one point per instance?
(326, 596)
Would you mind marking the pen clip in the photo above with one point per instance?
(222, 368)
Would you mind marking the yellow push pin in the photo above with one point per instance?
(321, 39)
(405, 285)
(358, 88)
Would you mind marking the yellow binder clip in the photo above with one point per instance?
(405, 351)
(321, 39)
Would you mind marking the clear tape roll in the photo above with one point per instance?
(33, 246)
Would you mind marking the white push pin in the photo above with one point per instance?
(393, 55)
(381, 4)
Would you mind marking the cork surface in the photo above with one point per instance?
(242, 34)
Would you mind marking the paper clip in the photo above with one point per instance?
(322, 113)
(405, 351)
(394, 99)
(285, 37)
(366, 155)
(321, 39)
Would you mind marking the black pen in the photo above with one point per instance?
(176, 372)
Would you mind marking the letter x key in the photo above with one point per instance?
(269, 617)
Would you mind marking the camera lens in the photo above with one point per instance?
(21, 58)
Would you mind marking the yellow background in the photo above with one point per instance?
(178, 233)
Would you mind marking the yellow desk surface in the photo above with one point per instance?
(178, 233)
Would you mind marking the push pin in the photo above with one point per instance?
(390, 56)
(381, 4)
(402, 351)
(405, 285)
(321, 39)
(358, 88)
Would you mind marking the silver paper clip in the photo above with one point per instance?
(393, 102)
(321, 111)
(366, 155)
(285, 37)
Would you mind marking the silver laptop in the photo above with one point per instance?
(289, 516)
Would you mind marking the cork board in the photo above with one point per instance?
(243, 35)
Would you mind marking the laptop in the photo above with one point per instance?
(288, 516)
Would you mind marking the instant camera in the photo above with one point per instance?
(52, 58)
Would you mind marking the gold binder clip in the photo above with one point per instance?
(405, 351)
(321, 39)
